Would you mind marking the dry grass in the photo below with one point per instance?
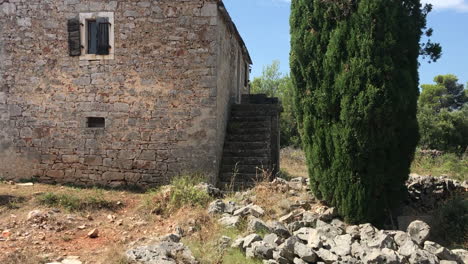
(272, 199)
(22, 257)
(115, 255)
(293, 163)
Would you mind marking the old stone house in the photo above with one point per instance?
(117, 91)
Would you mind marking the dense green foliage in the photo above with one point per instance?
(354, 66)
(275, 84)
(443, 115)
(452, 223)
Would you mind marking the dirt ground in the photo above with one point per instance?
(63, 232)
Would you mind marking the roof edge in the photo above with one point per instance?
(232, 26)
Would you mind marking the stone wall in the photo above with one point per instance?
(159, 95)
(230, 75)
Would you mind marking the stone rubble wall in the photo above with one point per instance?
(159, 95)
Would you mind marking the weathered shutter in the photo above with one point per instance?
(74, 37)
(103, 45)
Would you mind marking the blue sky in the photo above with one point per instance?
(264, 25)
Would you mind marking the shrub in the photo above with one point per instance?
(451, 221)
(182, 192)
(354, 66)
(186, 193)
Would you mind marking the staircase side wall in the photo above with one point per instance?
(231, 67)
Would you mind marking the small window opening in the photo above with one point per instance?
(98, 36)
(92, 37)
(96, 122)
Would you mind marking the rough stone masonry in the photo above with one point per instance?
(163, 96)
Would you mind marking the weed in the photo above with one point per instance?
(446, 164)
(183, 192)
(75, 203)
(186, 193)
(293, 163)
(11, 202)
(115, 255)
(26, 257)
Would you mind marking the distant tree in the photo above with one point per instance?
(275, 84)
(446, 93)
(443, 115)
(354, 66)
(270, 82)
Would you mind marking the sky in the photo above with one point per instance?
(264, 26)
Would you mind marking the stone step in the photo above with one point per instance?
(243, 168)
(250, 118)
(246, 124)
(261, 153)
(258, 99)
(257, 161)
(244, 131)
(247, 137)
(233, 145)
(267, 109)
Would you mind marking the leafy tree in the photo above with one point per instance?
(446, 93)
(354, 66)
(275, 84)
(271, 81)
(443, 115)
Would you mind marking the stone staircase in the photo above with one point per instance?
(251, 148)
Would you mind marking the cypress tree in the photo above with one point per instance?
(354, 65)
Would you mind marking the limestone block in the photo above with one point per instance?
(113, 176)
(70, 158)
(209, 10)
(93, 160)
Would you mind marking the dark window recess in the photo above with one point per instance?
(98, 36)
(246, 75)
(96, 122)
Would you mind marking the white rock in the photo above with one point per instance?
(229, 221)
(257, 211)
(304, 252)
(418, 231)
(257, 225)
(248, 240)
(327, 256)
(342, 245)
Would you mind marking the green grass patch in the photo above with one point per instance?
(448, 164)
(183, 192)
(210, 251)
(71, 202)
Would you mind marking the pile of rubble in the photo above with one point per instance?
(318, 236)
(315, 234)
(335, 242)
(167, 250)
(426, 193)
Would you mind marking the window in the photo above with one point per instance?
(97, 36)
(96, 122)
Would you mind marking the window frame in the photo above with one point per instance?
(84, 17)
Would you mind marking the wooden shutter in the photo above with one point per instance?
(103, 28)
(74, 37)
